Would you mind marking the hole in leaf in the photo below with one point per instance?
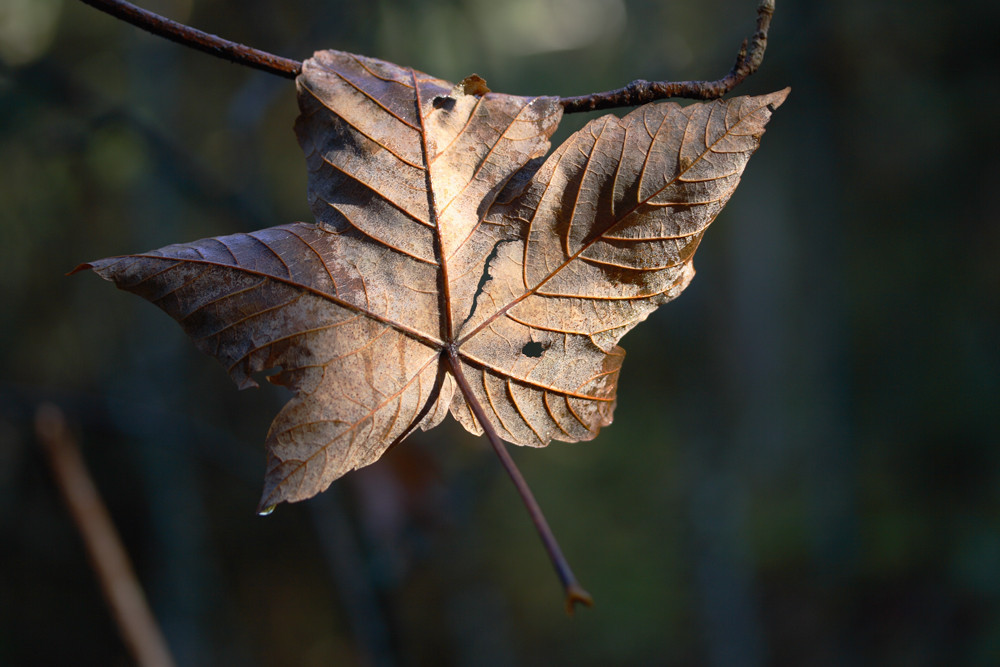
(445, 102)
(533, 349)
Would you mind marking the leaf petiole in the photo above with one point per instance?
(575, 593)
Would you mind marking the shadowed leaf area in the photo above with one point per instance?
(441, 230)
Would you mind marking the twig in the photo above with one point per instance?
(107, 555)
(575, 593)
(641, 92)
(196, 39)
(635, 93)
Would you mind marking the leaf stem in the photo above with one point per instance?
(638, 92)
(575, 593)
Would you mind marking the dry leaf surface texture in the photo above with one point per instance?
(444, 232)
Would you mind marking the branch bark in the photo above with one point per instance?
(638, 92)
(196, 39)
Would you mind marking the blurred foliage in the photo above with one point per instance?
(804, 466)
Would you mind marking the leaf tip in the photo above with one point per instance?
(269, 499)
(79, 268)
(245, 382)
(777, 98)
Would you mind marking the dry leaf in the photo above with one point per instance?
(441, 231)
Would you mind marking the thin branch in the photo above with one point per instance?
(638, 92)
(641, 92)
(575, 594)
(196, 39)
(107, 555)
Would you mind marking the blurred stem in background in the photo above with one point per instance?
(110, 561)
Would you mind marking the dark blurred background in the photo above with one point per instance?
(804, 466)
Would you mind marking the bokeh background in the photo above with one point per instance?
(804, 466)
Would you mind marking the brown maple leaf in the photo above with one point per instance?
(450, 269)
